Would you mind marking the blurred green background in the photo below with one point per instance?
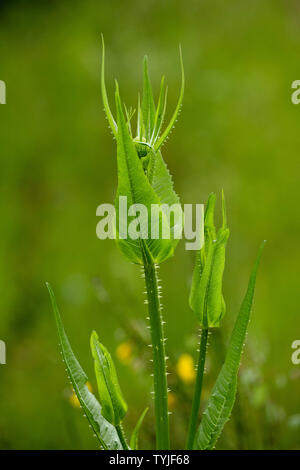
(238, 130)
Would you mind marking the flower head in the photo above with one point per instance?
(143, 177)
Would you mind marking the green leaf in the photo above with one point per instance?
(222, 398)
(107, 110)
(113, 404)
(201, 255)
(162, 183)
(161, 180)
(174, 117)
(105, 432)
(224, 214)
(129, 115)
(215, 301)
(135, 433)
(139, 124)
(160, 112)
(209, 224)
(148, 106)
(206, 297)
(134, 184)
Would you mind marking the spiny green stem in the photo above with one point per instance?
(122, 436)
(159, 361)
(198, 389)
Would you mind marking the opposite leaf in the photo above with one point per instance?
(223, 394)
(105, 432)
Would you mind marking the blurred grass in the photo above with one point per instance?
(58, 164)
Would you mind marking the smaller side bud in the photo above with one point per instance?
(206, 297)
(113, 405)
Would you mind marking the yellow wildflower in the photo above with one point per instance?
(124, 352)
(185, 368)
(171, 400)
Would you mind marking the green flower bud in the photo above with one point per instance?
(143, 177)
(206, 297)
(113, 405)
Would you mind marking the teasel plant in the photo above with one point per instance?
(143, 177)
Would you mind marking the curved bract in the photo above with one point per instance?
(150, 118)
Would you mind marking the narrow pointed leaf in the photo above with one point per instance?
(113, 404)
(160, 111)
(135, 433)
(129, 115)
(109, 115)
(105, 432)
(139, 124)
(224, 215)
(222, 398)
(148, 106)
(215, 301)
(209, 224)
(173, 119)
